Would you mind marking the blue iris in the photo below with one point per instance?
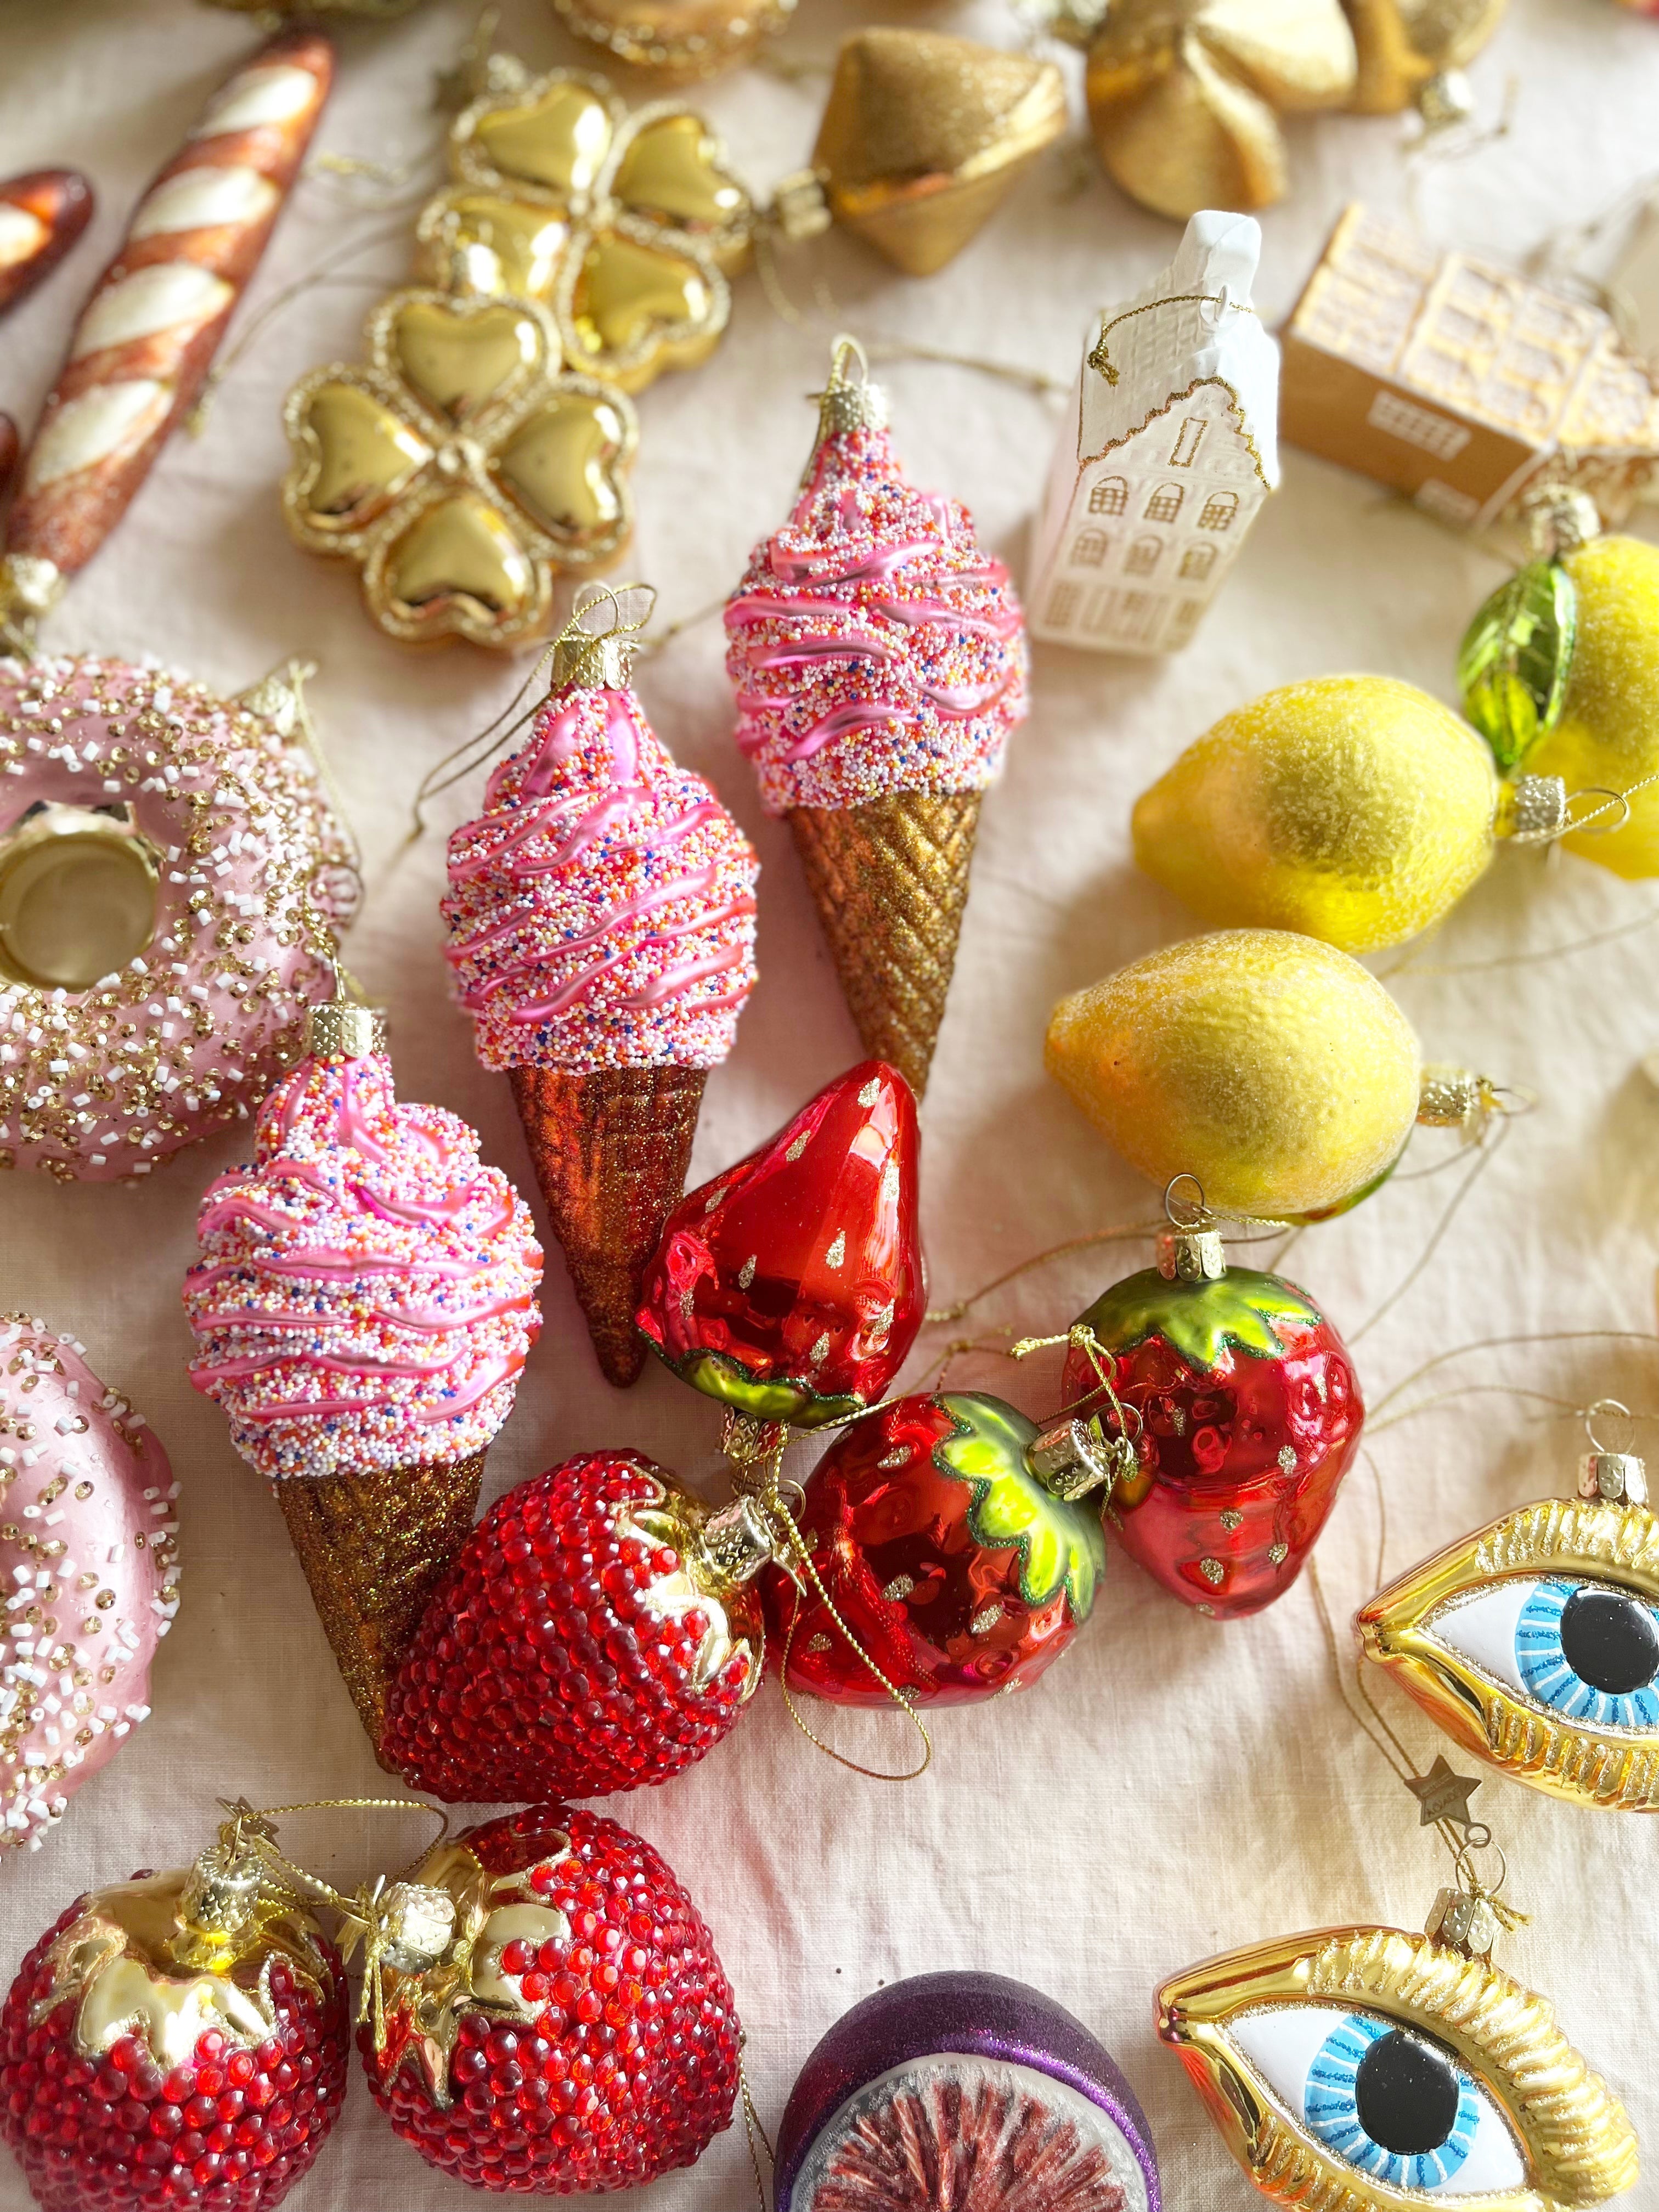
(1552, 1679)
(1331, 2109)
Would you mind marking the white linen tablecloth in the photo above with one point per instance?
(1175, 1788)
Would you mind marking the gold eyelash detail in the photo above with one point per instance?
(1560, 1529)
(1291, 2173)
(1580, 2145)
(1560, 1755)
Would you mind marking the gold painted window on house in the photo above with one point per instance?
(1165, 504)
(1089, 549)
(1197, 561)
(1062, 604)
(1219, 510)
(1143, 556)
(1188, 438)
(1109, 496)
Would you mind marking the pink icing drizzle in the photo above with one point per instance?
(875, 647)
(601, 909)
(423, 1265)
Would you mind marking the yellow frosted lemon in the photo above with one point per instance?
(1609, 732)
(1271, 1067)
(1355, 808)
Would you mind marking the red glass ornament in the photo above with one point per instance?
(140, 2073)
(792, 1286)
(957, 1571)
(586, 1639)
(1249, 1417)
(577, 2034)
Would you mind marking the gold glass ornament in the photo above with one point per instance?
(924, 136)
(1408, 49)
(1185, 95)
(676, 40)
(1367, 2070)
(462, 469)
(1535, 1643)
(626, 226)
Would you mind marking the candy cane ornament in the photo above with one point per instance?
(146, 339)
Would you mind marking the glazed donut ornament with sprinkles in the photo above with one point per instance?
(179, 2039)
(878, 658)
(363, 1306)
(1535, 1643)
(601, 916)
(159, 845)
(89, 1553)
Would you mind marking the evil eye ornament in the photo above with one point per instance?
(1535, 1645)
(1374, 2070)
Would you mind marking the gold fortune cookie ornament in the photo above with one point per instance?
(924, 136)
(1271, 1067)
(1185, 95)
(675, 41)
(1410, 52)
(461, 469)
(1535, 1643)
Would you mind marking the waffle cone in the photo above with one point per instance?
(610, 1149)
(889, 879)
(372, 1546)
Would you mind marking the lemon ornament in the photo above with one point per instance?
(1560, 671)
(1355, 808)
(1271, 1066)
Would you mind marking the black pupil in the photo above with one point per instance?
(1406, 2094)
(1609, 1641)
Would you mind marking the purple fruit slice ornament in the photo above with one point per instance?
(963, 2090)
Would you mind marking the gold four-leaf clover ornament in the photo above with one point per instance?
(462, 469)
(626, 226)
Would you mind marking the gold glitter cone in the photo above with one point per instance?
(372, 1546)
(889, 879)
(610, 1150)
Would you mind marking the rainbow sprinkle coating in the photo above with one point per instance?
(366, 1298)
(874, 647)
(601, 910)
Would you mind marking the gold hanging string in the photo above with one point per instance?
(1502, 1343)
(755, 1450)
(1530, 959)
(1099, 357)
(295, 674)
(758, 2138)
(1486, 1153)
(1081, 1338)
(455, 767)
(1122, 1233)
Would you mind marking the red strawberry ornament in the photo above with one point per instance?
(959, 1571)
(178, 2039)
(791, 1287)
(597, 1631)
(1245, 1415)
(576, 2033)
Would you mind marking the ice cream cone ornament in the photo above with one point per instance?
(601, 917)
(363, 1305)
(878, 655)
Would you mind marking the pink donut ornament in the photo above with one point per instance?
(169, 867)
(88, 1559)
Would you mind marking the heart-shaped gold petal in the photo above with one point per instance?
(563, 468)
(557, 138)
(672, 171)
(626, 293)
(526, 238)
(459, 357)
(459, 549)
(361, 457)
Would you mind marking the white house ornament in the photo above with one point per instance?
(88, 1551)
(1173, 451)
(1535, 1643)
(1367, 2070)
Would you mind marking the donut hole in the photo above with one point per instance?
(79, 893)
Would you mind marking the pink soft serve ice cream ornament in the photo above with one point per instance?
(363, 1306)
(601, 914)
(89, 1557)
(879, 661)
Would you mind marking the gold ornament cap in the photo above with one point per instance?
(340, 1029)
(1462, 1922)
(736, 1543)
(1071, 1457)
(1451, 1097)
(414, 1926)
(1191, 1254)
(849, 401)
(1532, 810)
(1559, 520)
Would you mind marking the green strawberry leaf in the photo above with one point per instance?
(1517, 655)
(1058, 1545)
(1245, 1310)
